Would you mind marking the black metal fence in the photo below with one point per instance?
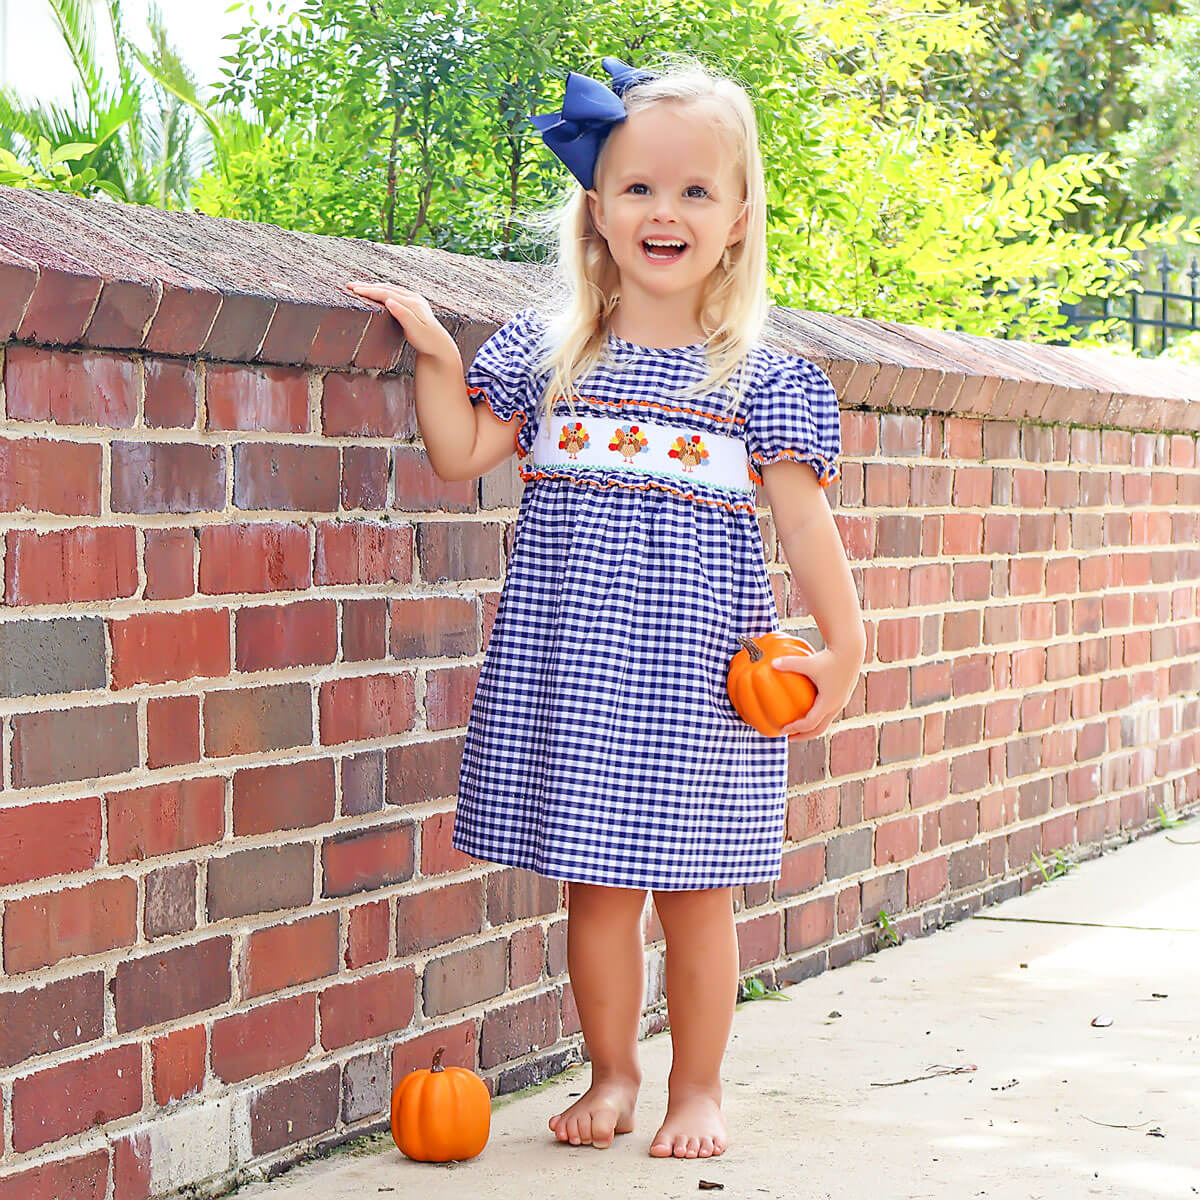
(1149, 309)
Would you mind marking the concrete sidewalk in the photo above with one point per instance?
(1054, 1107)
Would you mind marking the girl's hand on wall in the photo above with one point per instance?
(425, 333)
(834, 675)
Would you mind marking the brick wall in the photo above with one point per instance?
(242, 624)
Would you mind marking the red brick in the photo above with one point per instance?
(249, 720)
(240, 326)
(364, 629)
(74, 1096)
(167, 477)
(416, 1053)
(268, 398)
(438, 855)
(382, 344)
(459, 550)
(274, 476)
(18, 279)
(418, 488)
(40, 840)
(172, 731)
(170, 393)
(926, 880)
(76, 743)
(122, 312)
(157, 988)
(283, 955)
(516, 1029)
(759, 940)
(178, 1064)
(170, 904)
(65, 566)
(184, 317)
(87, 388)
(448, 696)
(41, 930)
(283, 796)
(39, 475)
(434, 627)
(165, 817)
(337, 337)
(897, 841)
(170, 564)
(366, 405)
(61, 305)
(162, 647)
(809, 924)
(366, 706)
(364, 477)
(287, 635)
(362, 783)
(295, 1110)
(292, 331)
(438, 915)
(263, 1039)
(51, 1018)
(265, 879)
(367, 938)
(421, 771)
(82, 1178)
(368, 1008)
(360, 552)
(802, 870)
(269, 557)
(131, 1166)
(465, 977)
(526, 956)
(367, 859)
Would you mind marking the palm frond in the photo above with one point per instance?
(77, 24)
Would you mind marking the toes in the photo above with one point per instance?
(706, 1146)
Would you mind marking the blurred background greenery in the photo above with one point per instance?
(1003, 168)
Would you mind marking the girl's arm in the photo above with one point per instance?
(813, 548)
(463, 441)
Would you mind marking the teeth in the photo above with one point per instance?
(662, 242)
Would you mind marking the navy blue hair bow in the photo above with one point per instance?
(589, 112)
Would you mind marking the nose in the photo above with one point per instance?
(663, 208)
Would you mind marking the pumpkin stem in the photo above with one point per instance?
(752, 647)
(437, 1059)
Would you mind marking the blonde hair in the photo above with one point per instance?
(733, 303)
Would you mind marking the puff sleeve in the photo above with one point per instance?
(501, 375)
(793, 413)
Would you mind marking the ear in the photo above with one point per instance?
(737, 231)
(596, 209)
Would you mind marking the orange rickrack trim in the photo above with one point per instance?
(730, 506)
(670, 408)
(519, 417)
(826, 476)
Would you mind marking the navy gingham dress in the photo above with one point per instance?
(602, 745)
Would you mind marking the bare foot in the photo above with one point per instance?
(603, 1110)
(692, 1128)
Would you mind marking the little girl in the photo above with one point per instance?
(602, 747)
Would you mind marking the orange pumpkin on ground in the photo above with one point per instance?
(764, 697)
(442, 1114)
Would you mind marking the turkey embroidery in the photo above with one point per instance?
(690, 452)
(573, 439)
(628, 442)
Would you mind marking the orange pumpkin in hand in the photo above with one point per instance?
(441, 1115)
(765, 697)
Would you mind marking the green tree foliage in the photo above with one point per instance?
(1048, 79)
(138, 131)
(1162, 142)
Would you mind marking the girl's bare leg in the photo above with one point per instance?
(702, 975)
(604, 959)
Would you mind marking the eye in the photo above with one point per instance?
(698, 187)
(636, 185)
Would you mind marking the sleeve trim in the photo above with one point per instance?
(518, 416)
(825, 468)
